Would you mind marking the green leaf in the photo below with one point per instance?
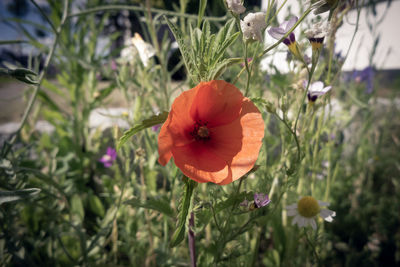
(154, 120)
(96, 206)
(12, 42)
(261, 103)
(220, 68)
(52, 87)
(103, 94)
(10, 196)
(221, 49)
(159, 204)
(185, 208)
(233, 199)
(202, 9)
(22, 74)
(28, 22)
(182, 47)
(32, 39)
(46, 99)
(77, 207)
(225, 31)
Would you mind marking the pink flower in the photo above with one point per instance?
(109, 158)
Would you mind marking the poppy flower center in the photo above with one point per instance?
(201, 132)
(308, 207)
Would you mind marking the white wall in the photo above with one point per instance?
(389, 31)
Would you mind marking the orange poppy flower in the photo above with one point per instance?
(213, 133)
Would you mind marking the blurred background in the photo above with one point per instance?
(92, 208)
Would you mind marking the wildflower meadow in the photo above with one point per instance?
(171, 133)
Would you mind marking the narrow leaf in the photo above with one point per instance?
(202, 9)
(158, 204)
(220, 68)
(154, 120)
(183, 217)
(232, 200)
(182, 46)
(10, 196)
(13, 42)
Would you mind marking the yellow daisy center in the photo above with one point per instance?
(308, 207)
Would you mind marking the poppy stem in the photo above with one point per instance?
(192, 243)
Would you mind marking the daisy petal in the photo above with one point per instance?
(291, 212)
(302, 222)
(296, 220)
(323, 203)
(292, 206)
(327, 215)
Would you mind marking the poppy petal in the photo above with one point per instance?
(182, 123)
(165, 143)
(252, 135)
(173, 130)
(235, 135)
(216, 103)
(199, 163)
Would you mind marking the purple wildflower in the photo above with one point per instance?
(278, 32)
(261, 200)
(155, 128)
(109, 157)
(244, 203)
(315, 90)
(316, 34)
(367, 76)
(249, 59)
(114, 66)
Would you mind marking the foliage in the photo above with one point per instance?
(59, 206)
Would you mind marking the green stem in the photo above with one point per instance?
(137, 8)
(287, 34)
(303, 98)
(164, 71)
(294, 135)
(312, 247)
(247, 69)
(222, 237)
(44, 15)
(277, 12)
(277, 43)
(315, 151)
(351, 43)
(42, 73)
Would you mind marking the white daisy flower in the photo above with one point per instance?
(315, 90)
(306, 209)
(253, 25)
(236, 6)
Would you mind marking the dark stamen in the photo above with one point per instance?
(200, 131)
